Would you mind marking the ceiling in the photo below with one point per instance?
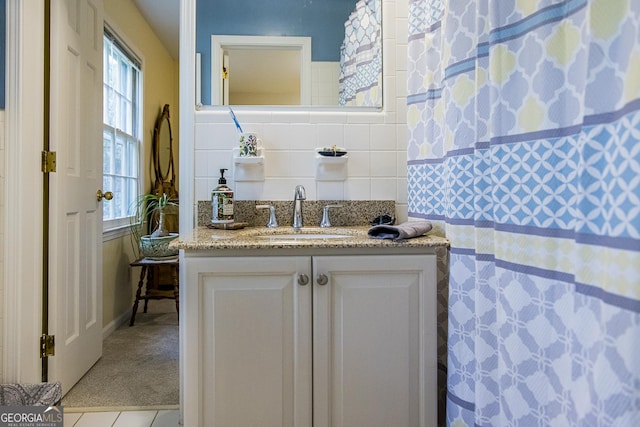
(164, 18)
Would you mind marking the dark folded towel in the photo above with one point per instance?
(405, 230)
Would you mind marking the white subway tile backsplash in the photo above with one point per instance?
(401, 213)
(283, 188)
(402, 9)
(402, 135)
(287, 117)
(359, 164)
(365, 118)
(203, 139)
(388, 15)
(389, 93)
(401, 165)
(276, 163)
(401, 56)
(383, 137)
(401, 105)
(330, 190)
(301, 165)
(389, 60)
(401, 85)
(330, 135)
(203, 187)
(358, 189)
(328, 117)
(356, 137)
(383, 189)
(249, 190)
(383, 164)
(201, 167)
(290, 136)
(402, 29)
(401, 190)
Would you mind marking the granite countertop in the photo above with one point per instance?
(208, 239)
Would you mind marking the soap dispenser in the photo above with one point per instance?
(222, 202)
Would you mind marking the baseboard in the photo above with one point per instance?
(115, 324)
(70, 410)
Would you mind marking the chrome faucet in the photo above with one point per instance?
(298, 196)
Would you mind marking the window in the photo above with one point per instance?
(121, 133)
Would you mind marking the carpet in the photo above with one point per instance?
(139, 364)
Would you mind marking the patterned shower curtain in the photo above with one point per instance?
(524, 149)
(361, 56)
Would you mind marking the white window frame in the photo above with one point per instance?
(117, 227)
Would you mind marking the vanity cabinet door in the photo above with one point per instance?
(255, 338)
(375, 341)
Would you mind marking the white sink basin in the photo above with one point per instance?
(296, 236)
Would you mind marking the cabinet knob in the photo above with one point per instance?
(303, 279)
(322, 280)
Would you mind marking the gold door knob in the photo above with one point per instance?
(106, 195)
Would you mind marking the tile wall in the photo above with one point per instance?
(376, 141)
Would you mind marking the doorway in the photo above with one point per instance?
(257, 70)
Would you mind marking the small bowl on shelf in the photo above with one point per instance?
(332, 152)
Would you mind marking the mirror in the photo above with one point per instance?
(162, 155)
(346, 51)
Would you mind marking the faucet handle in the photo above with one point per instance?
(325, 215)
(273, 222)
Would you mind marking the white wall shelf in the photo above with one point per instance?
(248, 168)
(331, 168)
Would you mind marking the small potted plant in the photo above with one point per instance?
(148, 227)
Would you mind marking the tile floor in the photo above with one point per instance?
(103, 417)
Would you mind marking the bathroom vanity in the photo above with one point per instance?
(323, 327)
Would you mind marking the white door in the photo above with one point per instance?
(374, 350)
(75, 273)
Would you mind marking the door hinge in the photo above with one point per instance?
(47, 346)
(225, 73)
(48, 161)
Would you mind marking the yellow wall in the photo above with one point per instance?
(160, 86)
